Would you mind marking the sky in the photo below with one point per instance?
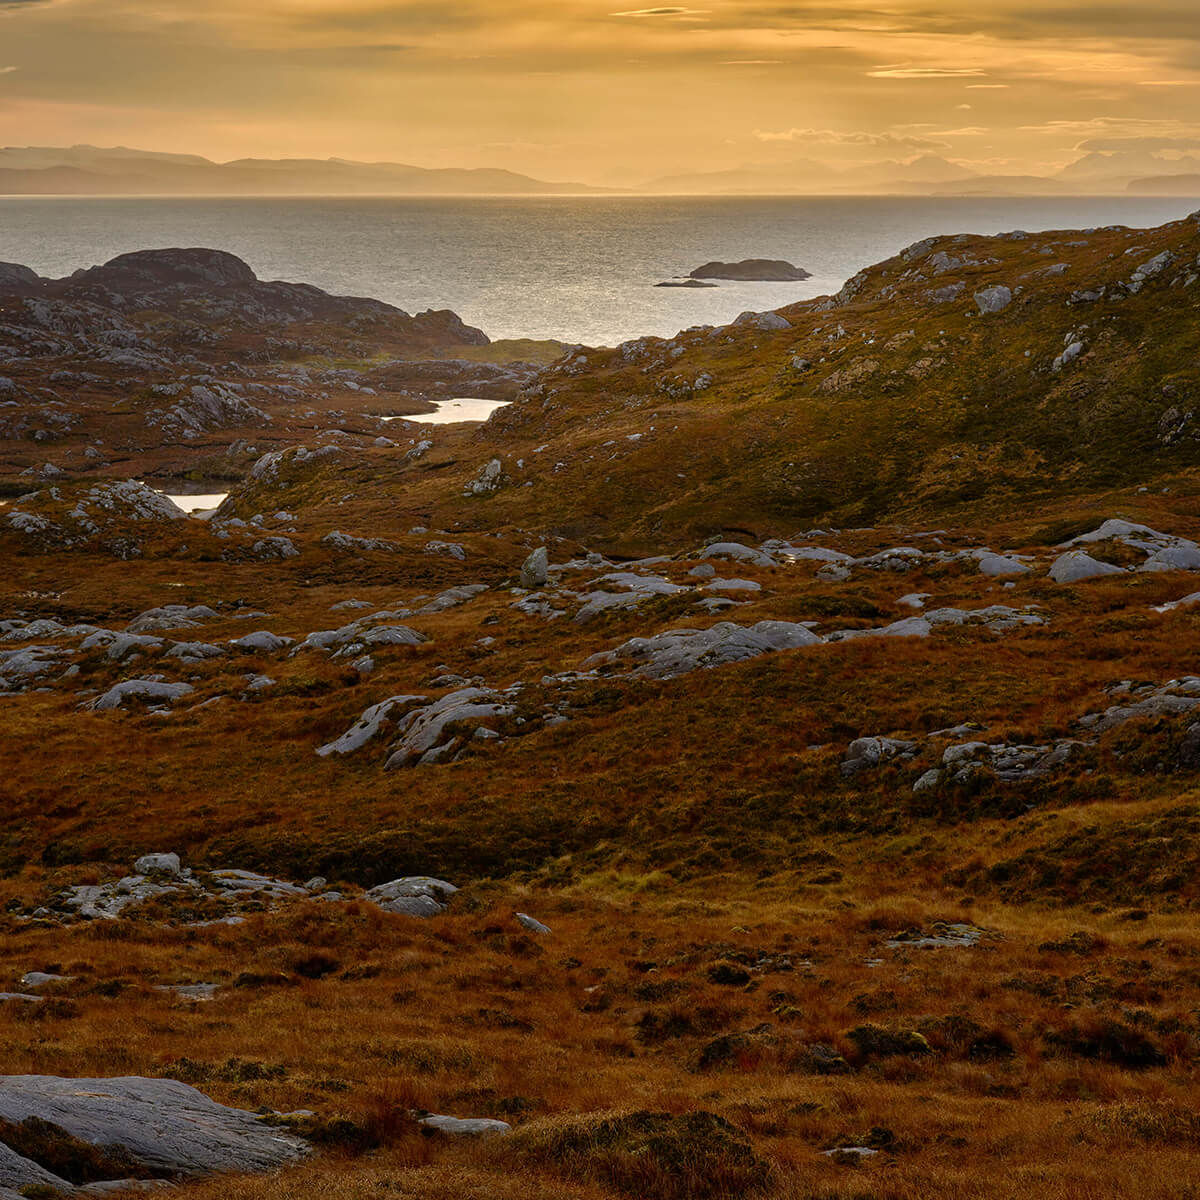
(592, 91)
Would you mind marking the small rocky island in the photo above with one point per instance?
(689, 282)
(752, 270)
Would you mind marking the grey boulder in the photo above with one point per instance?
(1075, 565)
(413, 896)
(535, 568)
(680, 651)
(149, 690)
(994, 299)
(168, 1127)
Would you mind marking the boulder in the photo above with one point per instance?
(171, 616)
(487, 480)
(337, 540)
(261, 641)
(994, 299)
(1000, 565)
(367, 726)
(465, 1126)
(422, 730)
(151, 691)
(680, 651)
(767, 322)
(740, 553)
(274, 549)
(167, 864)
(866, 752)
(535, 568)
(161, 1126)
(1075, 565)
(412, 896)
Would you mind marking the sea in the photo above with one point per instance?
(576, 269)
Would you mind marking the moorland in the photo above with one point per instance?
(778, 739)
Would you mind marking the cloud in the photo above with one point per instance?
(752, 62)
(858, 137)
(1169, 83)
(900, 71)
(663, 12)
(1151, 144)
(986, 87)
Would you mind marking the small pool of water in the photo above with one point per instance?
(460, 408)
(201, 505)
(194, 498)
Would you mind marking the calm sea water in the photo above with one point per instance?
(577, 269)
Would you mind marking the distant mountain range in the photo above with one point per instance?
(90, 170)
(1095, 173)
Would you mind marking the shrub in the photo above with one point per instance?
(67, 1156)
(694, 1156)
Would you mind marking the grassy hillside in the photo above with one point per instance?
(906, 909)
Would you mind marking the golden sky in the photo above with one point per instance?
(592, 91)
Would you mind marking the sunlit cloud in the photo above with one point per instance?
(855, 137)
(663, 12)
(537, 85)
(903, 72)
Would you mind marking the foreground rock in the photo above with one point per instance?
(129, 1128)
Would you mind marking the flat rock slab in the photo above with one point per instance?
(169, 1127)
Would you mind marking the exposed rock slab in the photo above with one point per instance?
(170, 1128)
